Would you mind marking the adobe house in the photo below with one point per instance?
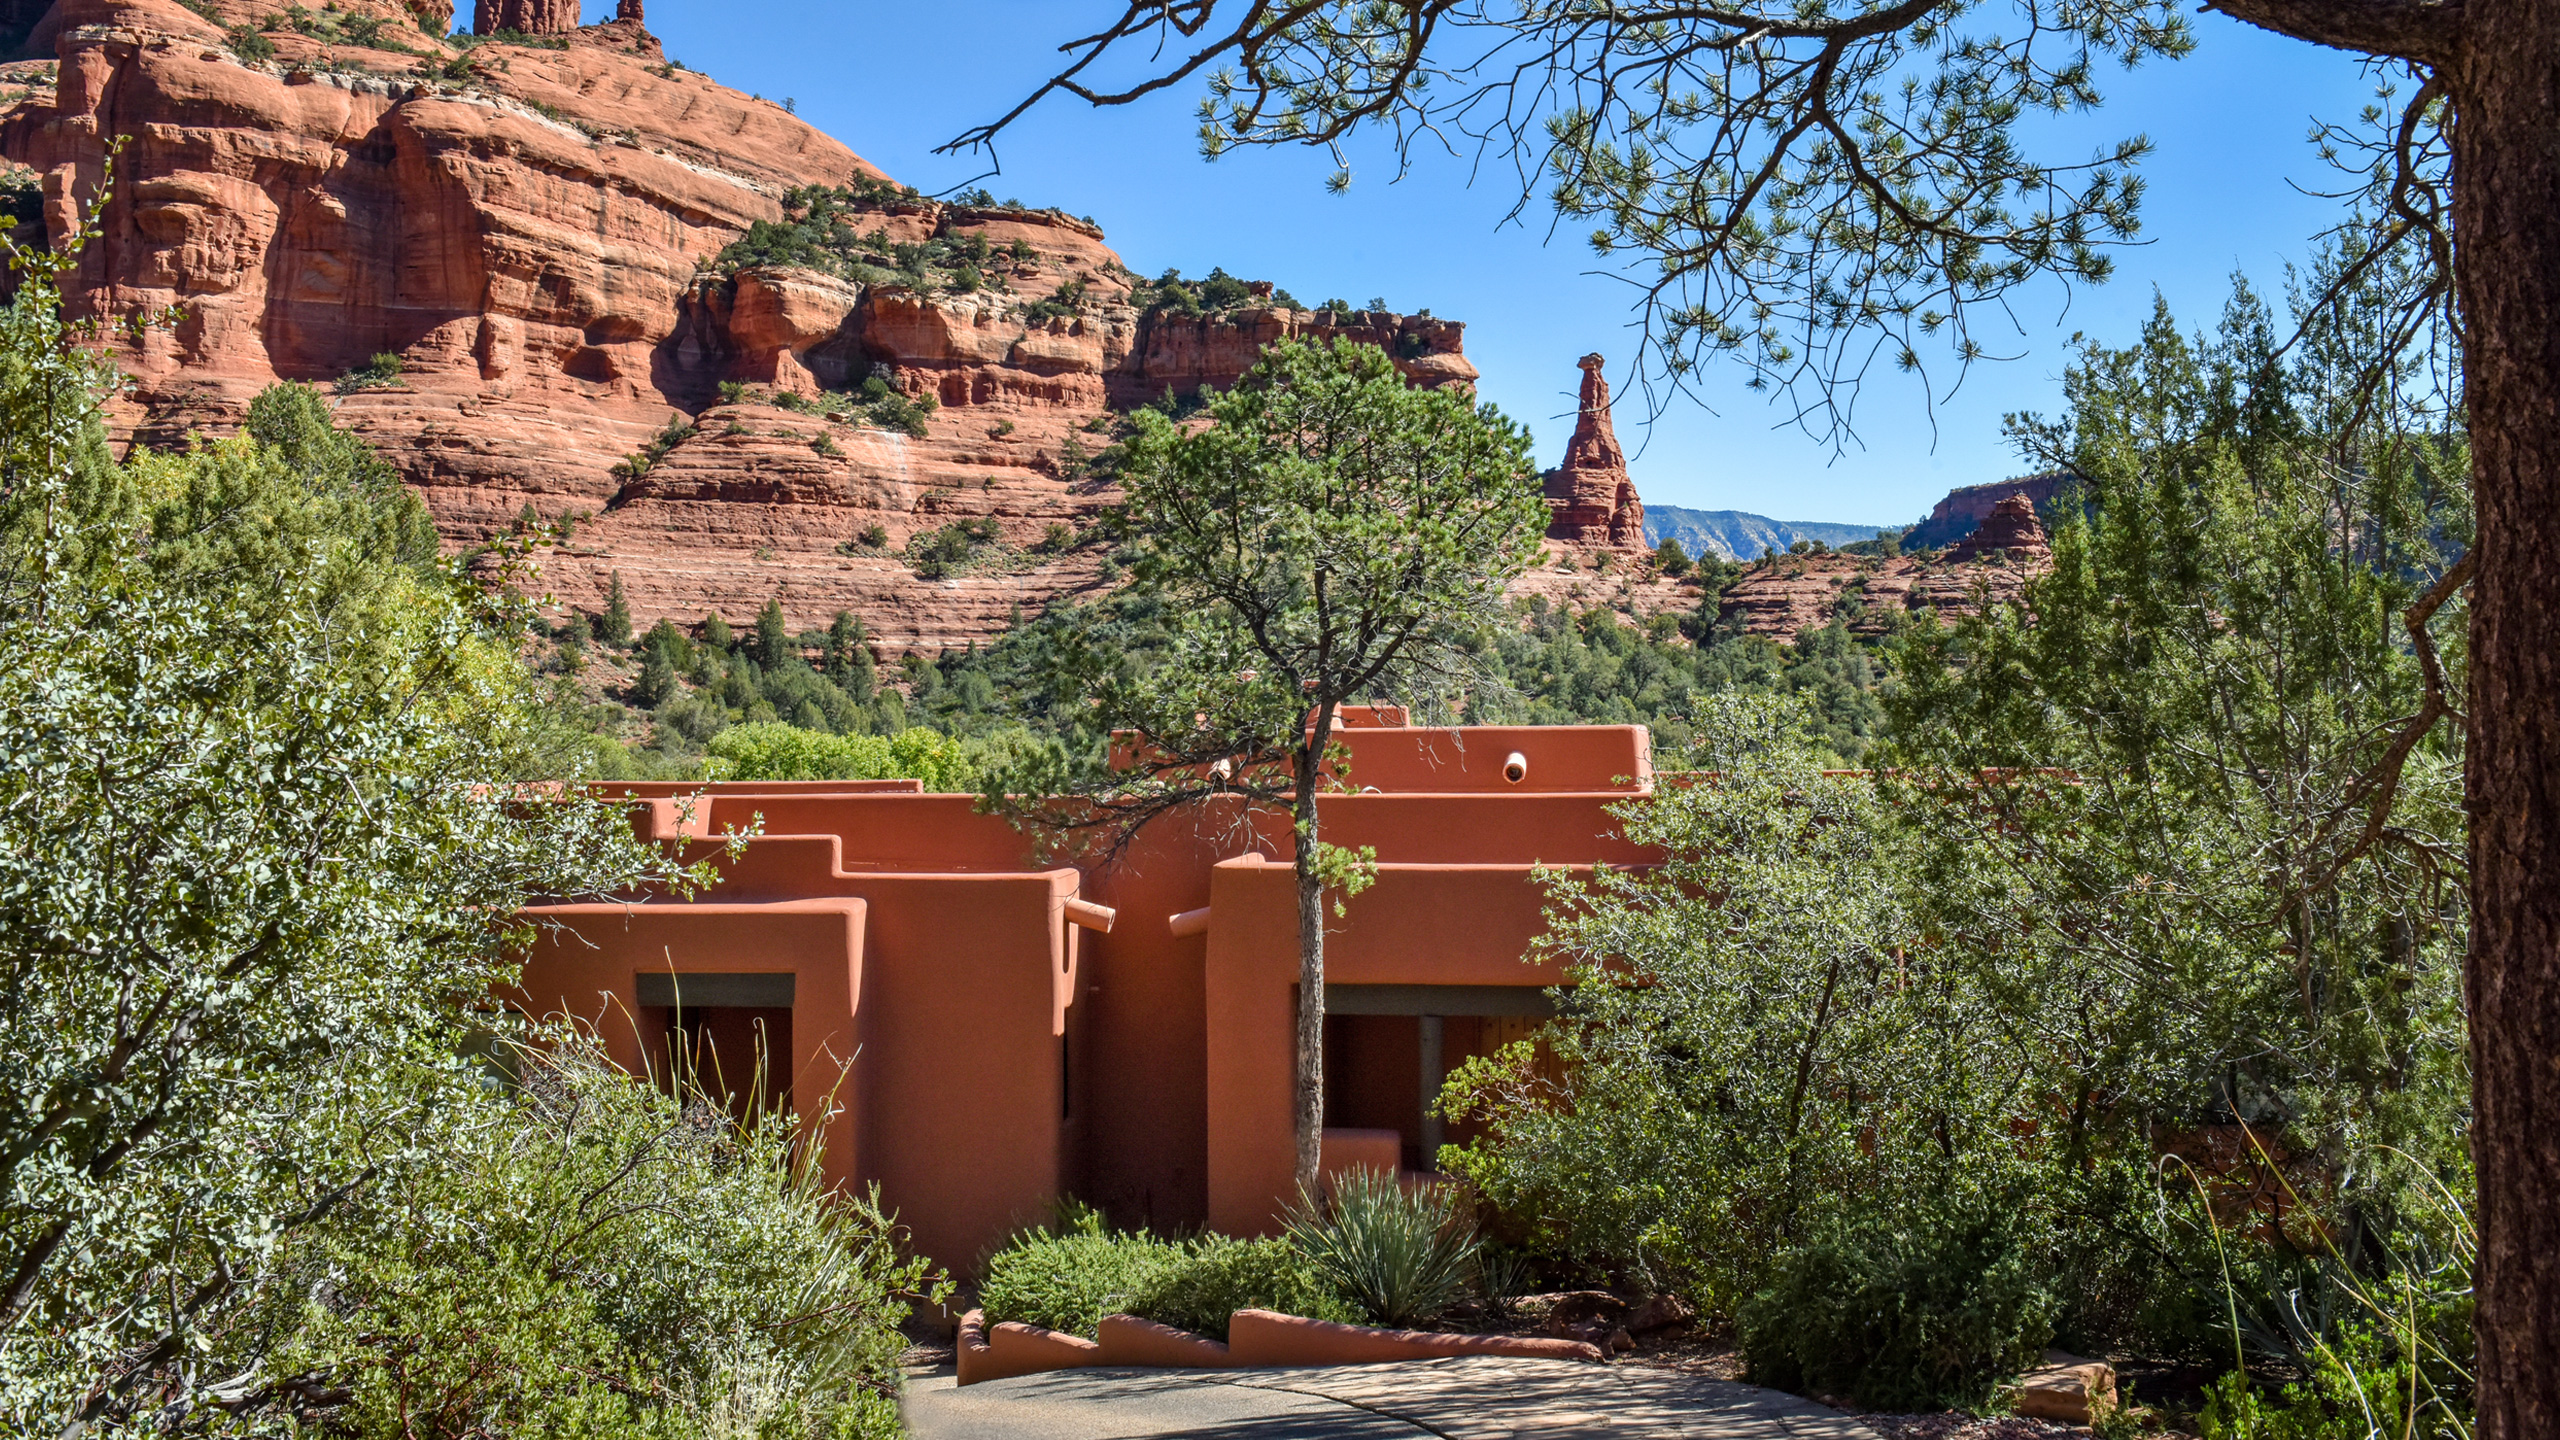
(997, 1033)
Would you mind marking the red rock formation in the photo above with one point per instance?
(528, 228)
(529, 17)
(1593, 502)
(629, 10)
(1968, 506)
(1784, 596)
(2011, 530)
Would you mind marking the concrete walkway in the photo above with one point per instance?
(1469, 1398)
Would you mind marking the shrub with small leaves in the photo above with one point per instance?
(1214, 1276)
(1912, 1311)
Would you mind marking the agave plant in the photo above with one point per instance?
(1403, 1255)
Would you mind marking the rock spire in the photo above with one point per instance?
(1592, 503)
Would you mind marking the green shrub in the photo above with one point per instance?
(959, 548)
(1070, 1281)
(2361, 1385)
(491, 1287)
(1068, 1276)
(639, 463)
(787, 752)
(382, 369)
(1209, 1279)
(882, 406)
(1402, 1256)
(1904, 1313)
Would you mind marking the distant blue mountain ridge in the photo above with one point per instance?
(1741, 535)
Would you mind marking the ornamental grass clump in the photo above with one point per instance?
(1403, 1256)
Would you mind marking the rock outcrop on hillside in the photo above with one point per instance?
(1968, 506)
(2011, 531)
(1785, 595)
(534, 230)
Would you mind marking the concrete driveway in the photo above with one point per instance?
(1468, 1398)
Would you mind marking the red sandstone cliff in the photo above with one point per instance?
(528, 228)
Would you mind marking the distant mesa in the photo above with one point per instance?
(1741, 535)
(1784, 596)
(1591, 501)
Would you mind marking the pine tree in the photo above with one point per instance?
(849, 658)
(1336, 534)
(664, 636)
(615, 627)
(773, 636)
(657, 682)
(841, 633)
(715, 632)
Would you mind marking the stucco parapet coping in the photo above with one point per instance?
(1256, 1338)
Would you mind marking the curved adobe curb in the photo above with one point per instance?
(1128, 1340)
(1013, 1348)
(1266, 1337)
(1255, 1337)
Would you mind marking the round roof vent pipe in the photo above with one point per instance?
(1515, 767)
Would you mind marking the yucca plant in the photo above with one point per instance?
(1403, 1255)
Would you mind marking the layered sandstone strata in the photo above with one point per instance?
(528, 17)
(531, 229)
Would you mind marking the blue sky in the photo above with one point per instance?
(893, 79)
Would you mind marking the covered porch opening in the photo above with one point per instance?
(728, 1033)
(1388, 1049)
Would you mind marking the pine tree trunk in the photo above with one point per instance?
(2505, 86)
(1310, 1094)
